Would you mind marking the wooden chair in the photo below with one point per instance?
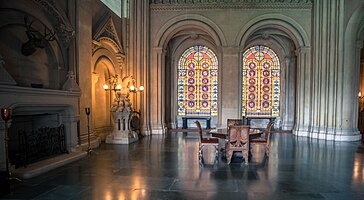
(238, 140)
(134, 123)
(264, 140)
(206, 142)
(235, 122)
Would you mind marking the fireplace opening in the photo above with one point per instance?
(36, 137)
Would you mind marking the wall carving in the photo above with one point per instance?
(62, 27)
(107, 35)
(229, 4)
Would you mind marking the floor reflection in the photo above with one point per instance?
(167, 167)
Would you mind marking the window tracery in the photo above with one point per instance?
(197, 82)
(260, 82)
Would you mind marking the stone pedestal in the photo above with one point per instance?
(121, 133)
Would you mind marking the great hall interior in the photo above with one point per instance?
(133, 99)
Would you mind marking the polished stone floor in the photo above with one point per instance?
(167, 167)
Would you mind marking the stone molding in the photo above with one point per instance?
(108, 32)
(62, 27)
(159, 5)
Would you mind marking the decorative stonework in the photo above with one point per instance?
(229, 4)
(108, 33)
(71, 84)
(62, 27)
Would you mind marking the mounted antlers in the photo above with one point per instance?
(35, 38)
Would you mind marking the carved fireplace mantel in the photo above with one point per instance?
(26, 101)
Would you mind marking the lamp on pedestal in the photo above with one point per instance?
(6, 115)
(122, 110)
(112, 85)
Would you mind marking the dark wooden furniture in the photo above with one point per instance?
(222, 133)
(134, 123)
(238, 140)
(186, 118)
(210, 141)
(264, 140)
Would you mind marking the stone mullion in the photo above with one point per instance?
(230, 77)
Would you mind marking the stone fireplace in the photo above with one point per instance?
(33, 108)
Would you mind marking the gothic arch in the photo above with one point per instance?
(107, 61)
(185, 29)
(284, 35)
(183, 22)
(277, 21)
(353, 43)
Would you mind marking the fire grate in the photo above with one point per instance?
(40, 144)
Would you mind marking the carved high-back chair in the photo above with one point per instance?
(206, 142)
(264, 140)
(238, 140)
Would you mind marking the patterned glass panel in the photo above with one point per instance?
(260, 82)
(197, 82)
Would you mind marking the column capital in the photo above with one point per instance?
(302, 50)
(158, 49)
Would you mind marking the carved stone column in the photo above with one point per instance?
(139, 65)
(156, 91)
(290, 82)
(303, 97)
(83, 57)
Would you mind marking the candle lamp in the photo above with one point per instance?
(6, 115)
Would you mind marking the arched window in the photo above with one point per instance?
(197, 82)
(260, 82)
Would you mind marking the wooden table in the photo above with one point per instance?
(222, 133)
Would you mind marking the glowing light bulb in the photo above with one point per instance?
(132, 87)
(141, 88)
(105, 87)
(118, 87)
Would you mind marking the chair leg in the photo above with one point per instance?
(200, 153)
(267, 150)
(229, 154)
(246, 155)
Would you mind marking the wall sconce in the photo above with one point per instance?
(114, 84)
(133, 89)
(122, 89)
(360, 96)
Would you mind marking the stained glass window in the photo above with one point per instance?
(197, 82)
(260, 82)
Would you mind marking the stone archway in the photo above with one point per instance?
(107, 62)
(171, 40)
(291, 42)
